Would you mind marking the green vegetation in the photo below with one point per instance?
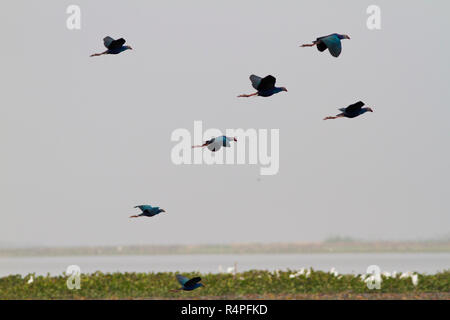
(253, 284)
(331, 245)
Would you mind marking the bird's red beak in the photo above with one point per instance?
(235, 139)
(370, 109)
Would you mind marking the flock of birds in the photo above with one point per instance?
(265, 87)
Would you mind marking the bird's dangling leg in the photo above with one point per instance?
(335, 117)
(247, 95)
(134, 216)
(203, 145)
(309, 45)
(98, 54)
(174, 290)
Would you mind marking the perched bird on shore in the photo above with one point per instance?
(265, 86)
(351, 111)
(331, 42)
(113, 46)
(216, 143)
(188, 284)
(148, 211)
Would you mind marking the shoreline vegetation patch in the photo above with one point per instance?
(255, 284)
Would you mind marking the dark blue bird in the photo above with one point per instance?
(148, 211)
(331, 42)
(352, 111)
(215, 144)
(265, 86)
(188, 284)
(113, 46)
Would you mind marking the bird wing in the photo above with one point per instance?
(215, 146)
(354, 108)
(321, 38)
(107, 41)
(333, 44)
(192, 281)
(267, 83)
(321, 46)
(113, 44)
(181, 279)
(255, 81)
(144, 207)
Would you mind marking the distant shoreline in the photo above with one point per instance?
(238, 248)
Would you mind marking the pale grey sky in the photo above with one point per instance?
(85, 139)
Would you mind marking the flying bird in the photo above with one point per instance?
(331, 42)
(216, 143)
(148, 211)
(188, 284)
(351, 111)
(113, 46)
(265, 86)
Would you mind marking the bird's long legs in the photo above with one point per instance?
(203, 145)
(247, 95)
(98, 54)
(341, 115)
(309, 45)
(134, 216)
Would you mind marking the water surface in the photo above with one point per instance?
(210, 263)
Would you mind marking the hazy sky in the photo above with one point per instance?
(83, 140)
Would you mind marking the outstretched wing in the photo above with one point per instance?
(144, 207)
(262, 84)
(112, 44)
(215, 146)
(267, 83)
(354, 108)
(107, 41)
(255, 81)
(321, 38)
(192, 282)
(321, 46)
(333, 44)
(181, 279)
